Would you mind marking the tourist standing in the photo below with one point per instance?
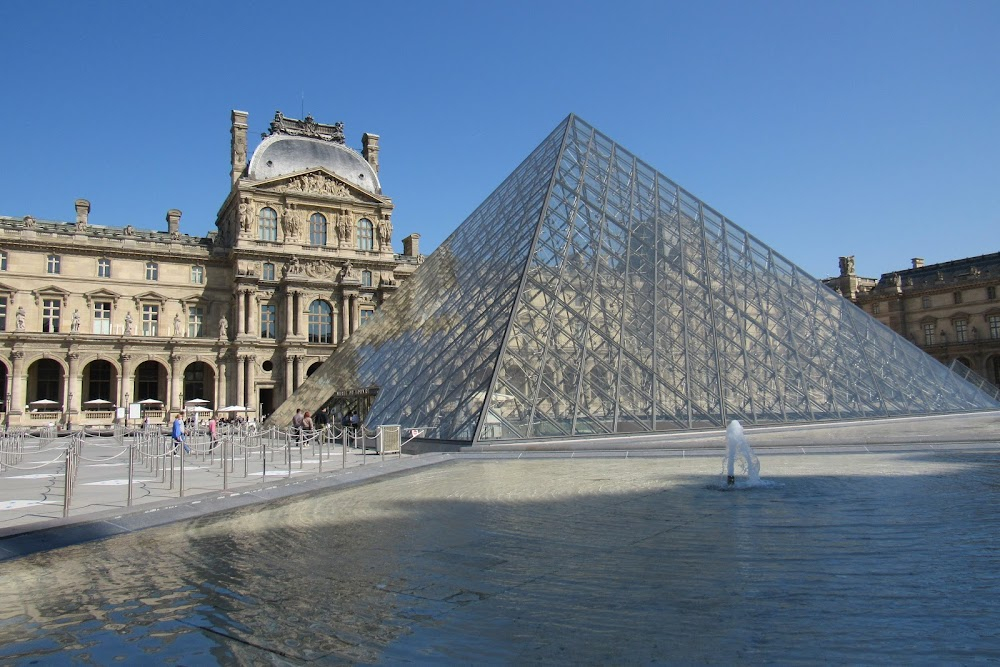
(297, 427)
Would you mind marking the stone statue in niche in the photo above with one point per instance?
(245, 214)
(223, 327)
(74, 326)
(128, 324)
(19, 318)
(290, 222)
(177, 324)
(344, 229)
(385, 232)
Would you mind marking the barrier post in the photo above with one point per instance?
(131, 471)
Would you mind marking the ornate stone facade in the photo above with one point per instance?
(950, 310)
(93, 317)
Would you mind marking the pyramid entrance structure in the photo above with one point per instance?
(591, 295)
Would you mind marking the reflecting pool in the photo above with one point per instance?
(839, 558)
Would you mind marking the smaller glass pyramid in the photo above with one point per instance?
(589, 294)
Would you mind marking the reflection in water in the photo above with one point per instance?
(853, 558)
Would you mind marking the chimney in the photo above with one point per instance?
(239, 144)
(411, 245)
(174, 222)
(918, 262)
(369, 144)
(82, 213)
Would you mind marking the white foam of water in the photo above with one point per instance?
(741, 464)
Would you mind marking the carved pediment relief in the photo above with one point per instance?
(149, 297)
(50, 292)
(102, 295)
(318, 182)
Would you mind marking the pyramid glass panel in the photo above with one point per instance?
(591, 295)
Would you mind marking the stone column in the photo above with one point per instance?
(253, 308)
(175, 400)
(125, 384)
(289, 378)
(296, 310)
(289, 314)
(221, 398)
(17, 387)
(298, 371)
(241, 379)
(251, 383)
(73, 384)
(240, 315)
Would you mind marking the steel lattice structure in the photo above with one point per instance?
(589, 294)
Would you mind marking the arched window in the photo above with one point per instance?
(366, 234)
(317, 229)
(268, 271)
(366, 278)
(268, 224)
(320, 322)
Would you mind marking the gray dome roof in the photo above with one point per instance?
(281, 154)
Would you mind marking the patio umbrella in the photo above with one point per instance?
(97, 401)
(234, 408)
(196, 401)
(198, 408)
(44, 401)
(150, 401)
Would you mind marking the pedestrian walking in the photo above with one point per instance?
(177, 435)
(213, 430)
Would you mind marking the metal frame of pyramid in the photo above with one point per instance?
(591, 295)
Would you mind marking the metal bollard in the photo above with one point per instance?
(131, 472)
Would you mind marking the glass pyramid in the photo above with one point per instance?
(589, 294)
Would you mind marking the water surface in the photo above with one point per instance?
(843, 558)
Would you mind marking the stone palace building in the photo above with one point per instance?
(950, 310)
(94, 317)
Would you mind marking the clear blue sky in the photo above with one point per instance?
(824, 128)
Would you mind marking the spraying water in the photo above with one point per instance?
(738, 449)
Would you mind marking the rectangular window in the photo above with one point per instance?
(991, 293)
(876, 308)
(3, 313)
(268, 321)
(366, 278)
(50, 315)
(152, 271)
(366, 316)
(994, 321)
(957, 296)
(925, 302)
(268, 272)
(150, 320)
(102, 317)
(52, 263)
(198, 274)
(929, 334)
(196, 321)
(3, 261)
(104, 268)
(961, 330)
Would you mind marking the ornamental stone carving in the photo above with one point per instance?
(291, 224)
(321, 269)
(245, 213)
(385, 231)
(20, 318)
